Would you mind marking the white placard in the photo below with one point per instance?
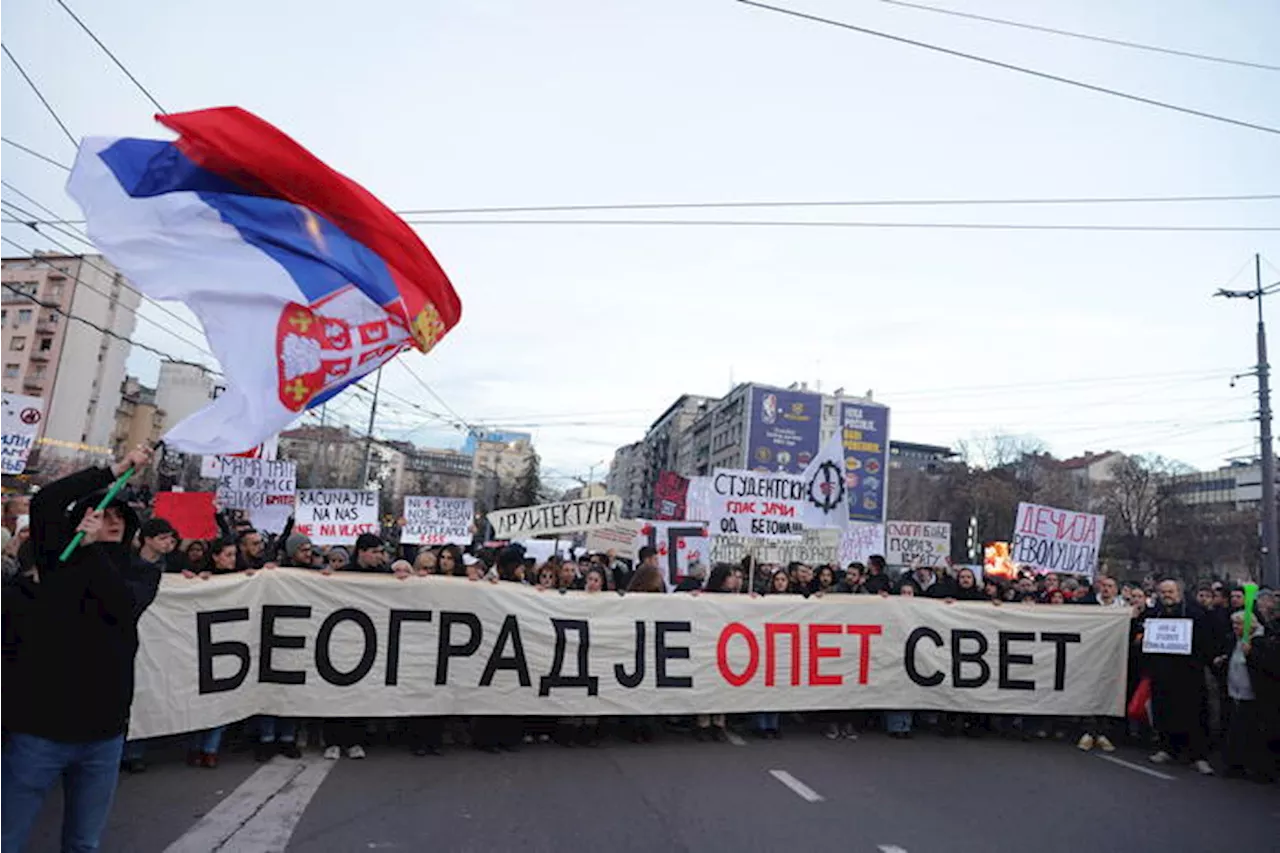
(917, 543)
(263, 488)
(437, 521)
(759, 504)
(818, 546)
(22, 417)
(1167, 636)
(619, 538)
(567, 517)
(336, 516)
(1048, 539)
(859, 541)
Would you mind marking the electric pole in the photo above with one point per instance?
(368, 438)
(1270, 546)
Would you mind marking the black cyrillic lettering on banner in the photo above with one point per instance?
(449, 649)
(207, 649)
(1059, 641)
(398, 618)
(270, 641)
(663, 653)
(633, 679)
(510, 632)
(959, 658)
(324, 662)
(909, 657)
(555, 678)
(1007, 660)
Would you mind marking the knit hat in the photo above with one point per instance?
(294, 542)
(367, 542)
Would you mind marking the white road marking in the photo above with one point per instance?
(260, 815)
(801, 790)
(890, 848)
(1137, 767)
(734, 738)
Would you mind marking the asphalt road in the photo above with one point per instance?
(802, 793)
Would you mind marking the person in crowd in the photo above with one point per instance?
(779, 583)
(801, 578)
(877, 580)
(195, 558)
(898, 723)
(473, 567)
(694, 577)
(253, 549)
(825, 581)
(279, 735)
(853, 579)
(546, 578)
(299, 553)
(70, 640)
(156, 541)
(336, 559)
(1048, 583)
(450, 561)
(647, 578)
(1204, 595)
(567, 576)
(1096, 730)
(370, 555)
(1245, 752)
(424, 562)
(1235, 597)
(768, 724)
(647, 559)
(595, 580)
(202, 751)
(966, 588)
(992, 589)
(1178, 683)
(16, 508)
(494, 734)
(723, 580)
(1055, 596)
(923, 579)
(584, 731)
(1107, 593)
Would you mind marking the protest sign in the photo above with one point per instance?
(816, 547)
(865, 434)
(859, 541)
(191, 513)
(263, 488)
(1057, 540)
(752, 503)
(22, 417)
(292, 643)
(917, 543)
(211, 466)
(541, 550)
(678, 544)
(568, 517)
(698, 499)
(670, 494)
(437, 521)
(784, 429)
(336, 516)
(619, 538)
(1167, 636)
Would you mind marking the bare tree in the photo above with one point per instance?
(1134, 501)
(998, 450)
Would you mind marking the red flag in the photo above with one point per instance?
(190, 512)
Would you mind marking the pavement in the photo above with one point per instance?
(801, 793)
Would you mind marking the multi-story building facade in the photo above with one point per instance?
(182, 389)
(626, 478)
(138, 419)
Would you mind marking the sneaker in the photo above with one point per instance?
(289, 749)
(1160, 757)
(356, 751)
(848, 732)
(1202, 767)
(832, 732)
(1104, 743)
(333, 753)
(1085, 743)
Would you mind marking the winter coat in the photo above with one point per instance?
(1177, 681)
(70, 638)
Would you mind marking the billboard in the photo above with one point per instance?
(865, 434)
(783, 429)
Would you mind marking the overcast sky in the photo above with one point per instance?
(584, 334)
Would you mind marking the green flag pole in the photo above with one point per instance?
(1250, 595)
(102, 504)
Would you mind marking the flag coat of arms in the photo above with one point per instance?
(302, 280)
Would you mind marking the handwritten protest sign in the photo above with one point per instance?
(817, 546)
(859, 541)
(437, 521)
(1057, 540)
(1167, 636)
(917, 543)
(567, 517)
(263, 488)
(619, 538)
(757, 504)
(336, 516)
(191, 513)
(22, 417)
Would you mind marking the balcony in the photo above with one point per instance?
(33, 383)
(47, 327)
(40, 355)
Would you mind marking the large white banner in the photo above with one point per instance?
(437, 521)
(22, 416)
(295, 643)
(757, 503)
(263, 488)
(566, 517)
(917, 543)
(1057, 540)
(336, 516)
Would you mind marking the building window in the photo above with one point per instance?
(24, 316)
(46, 344)
(18, 342)
(51, 318)
(4, 315)
(11, 371)
(37, 371)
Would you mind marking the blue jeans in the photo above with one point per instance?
(88, 771)
(208, 741)
(767, 721)
(897, 721)
(272, 729)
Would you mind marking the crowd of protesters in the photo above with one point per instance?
(1223, 698)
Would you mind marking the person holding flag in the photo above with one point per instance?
(70, 639)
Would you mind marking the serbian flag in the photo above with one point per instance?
(303, 281)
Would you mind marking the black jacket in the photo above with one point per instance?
(70, 639)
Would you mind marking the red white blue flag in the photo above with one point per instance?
(302, 280)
